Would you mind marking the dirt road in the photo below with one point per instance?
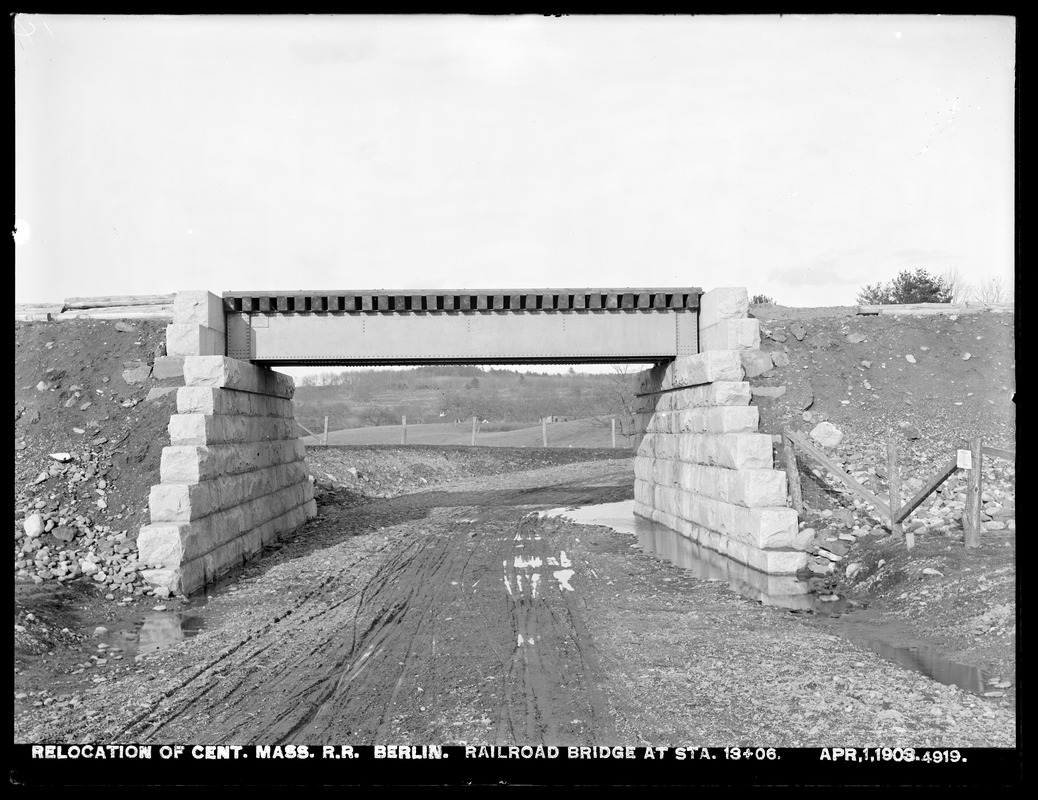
(460, 616)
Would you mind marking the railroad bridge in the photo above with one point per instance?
(503, 327)
(234, 477)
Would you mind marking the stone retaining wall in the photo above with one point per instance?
(701, 467)
(233, 478)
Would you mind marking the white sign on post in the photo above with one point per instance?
(965, 459)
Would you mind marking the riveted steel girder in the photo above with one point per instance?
(478, 327)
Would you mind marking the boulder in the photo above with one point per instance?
(756, 362)
(33, 526)
(138, 374)
(827, 434)
(64, 533)
(912, 431)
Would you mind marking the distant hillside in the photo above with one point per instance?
(431, 396)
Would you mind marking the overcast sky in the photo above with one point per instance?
(800, 157)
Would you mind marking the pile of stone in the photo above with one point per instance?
(940, 514)
(57, 538)
(831, 545)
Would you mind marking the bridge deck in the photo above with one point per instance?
(380, 327)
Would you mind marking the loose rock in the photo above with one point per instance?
(827, 434)
(33, 526)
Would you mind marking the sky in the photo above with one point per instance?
(799, 156)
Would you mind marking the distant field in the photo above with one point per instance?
(576, 433)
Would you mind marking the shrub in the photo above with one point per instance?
(875, 295)
(761, 300)
(908, 287)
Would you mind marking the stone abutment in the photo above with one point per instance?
(233, 478)
(701, 466)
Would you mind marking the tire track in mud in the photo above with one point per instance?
(554, 676)
(411, 604)
(446, 627)
(397, 622)
(244, 656)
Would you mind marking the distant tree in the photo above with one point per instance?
(761, 300)
(960, 290)
(379, 415)
(876, 294)
(472, 384)
(908, 287)
(993, 291)
(361, 389)
(613, 398)
(920, 287)
(452, 404)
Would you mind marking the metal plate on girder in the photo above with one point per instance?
(687, 331)
(476, 337)
(239, 336)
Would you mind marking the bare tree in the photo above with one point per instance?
(961, 291)
(617, 401)
(993, 290)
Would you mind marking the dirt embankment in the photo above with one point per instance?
(930, 384)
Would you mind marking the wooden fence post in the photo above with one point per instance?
(544, 432)
(894, 483)
(473, 431)
(403, 433)
(612, 426)
(971, 518)
(325, 441)
(793, 473)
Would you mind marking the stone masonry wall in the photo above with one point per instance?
(701, 467)
(234, 477)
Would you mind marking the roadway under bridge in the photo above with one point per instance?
(539, 326)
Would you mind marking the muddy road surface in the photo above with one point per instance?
(464, 616)
(458, 627)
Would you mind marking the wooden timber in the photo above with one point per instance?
(801, 441)
(929, 488)
(119, 301)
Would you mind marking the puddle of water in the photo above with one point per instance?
(783, 591)
(160, 629)
(149, 631)
(157, 630)
(931, 664)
